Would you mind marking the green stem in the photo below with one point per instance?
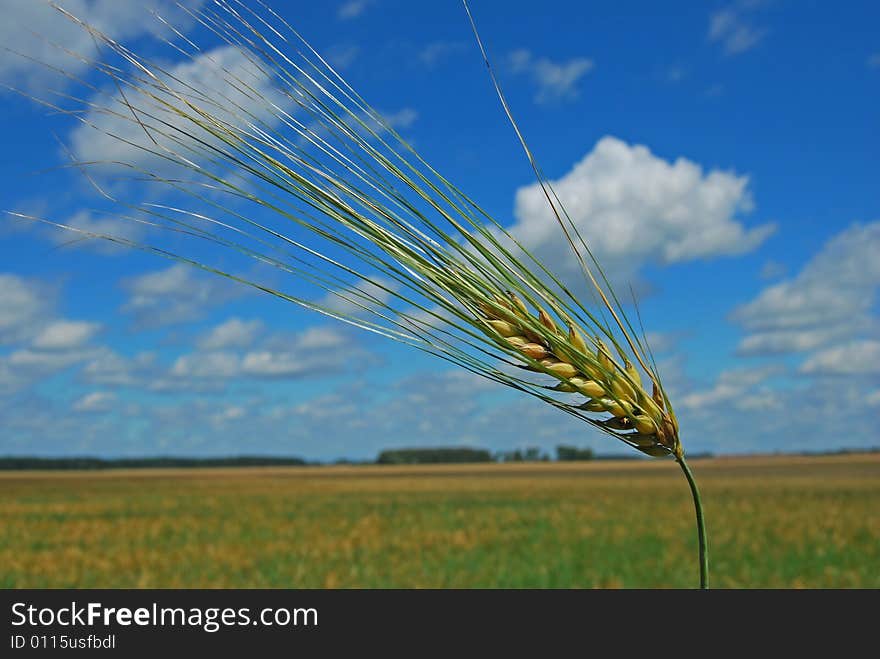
(701, 524)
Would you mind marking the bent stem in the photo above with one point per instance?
(701, 524)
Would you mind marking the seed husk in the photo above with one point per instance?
(534, 350)
(644, 424)
(504, 328)
(562, 369)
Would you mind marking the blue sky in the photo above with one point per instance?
(722, 157)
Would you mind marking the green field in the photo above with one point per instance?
(773, 522)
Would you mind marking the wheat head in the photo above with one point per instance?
(611, 386)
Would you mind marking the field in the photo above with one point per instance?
(773, 522)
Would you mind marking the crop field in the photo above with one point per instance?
(773, 522)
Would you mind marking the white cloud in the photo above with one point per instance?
(352, 300)
(854, 358)
(42, 363)
(10, 381)
(792, 413)
(437, 51)
(233, 333)
(319, 338)
(108, 225)
(45, 344)
(174, 295)
(352, 9)
(222, 81)
(633, 208)
(398, 120)
(97, 401)
(39, 32)
(661, 342)
(24, 305)
(739, 388)
(206, 365)
(315, 351)
(782, 341)
(874, 61)
(268, 364)
(734, 31)
(111, 368)
(446, 384)
(556, 81)
(227, 414)
(65, 335)
(403, 118)
(341, 56)
(830, 299)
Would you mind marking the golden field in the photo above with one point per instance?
(773, 522)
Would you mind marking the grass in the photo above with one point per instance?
(775, 522)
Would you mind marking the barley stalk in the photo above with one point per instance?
(283, 162)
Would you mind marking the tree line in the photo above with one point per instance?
(398, 456)
(30, 462)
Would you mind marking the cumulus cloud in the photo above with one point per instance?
(206, 365)
(44, 344)
(316, 351)
(118, 136)
(427, 408)
(341, 56)
(313, 352)
(109, 368)
(65, 335)
(437, 51)
(853, 358)
(739, 388)
(232, 333)
(784, 412)
(228, 414)
(31, 364)
(99, 225)
(830, 299)
(734, 30)
(365, 293)
(97, 401)
(555, 81)
(661, 342)
(403, 118)
(352, 9)
(34, 29)
(175, 295)
(635, 208)
(24, 305)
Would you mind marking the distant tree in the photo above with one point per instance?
(567, 453)
(533, 454)
(436, 455)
